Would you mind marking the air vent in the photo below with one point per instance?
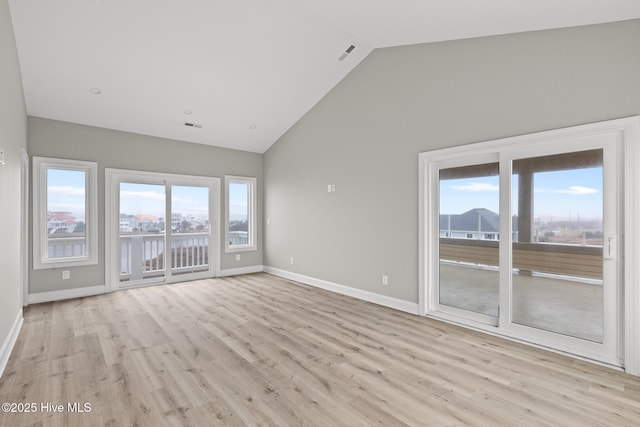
(346, 52)
(193, 125)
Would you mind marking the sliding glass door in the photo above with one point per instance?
(564, 285)
(162, 227)
(469, 223)
(558, 265)
(141, 231)
(190, 225)
(522, 240)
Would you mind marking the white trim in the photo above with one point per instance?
(66, 294)
(423, 233)
(10, 341)
(200, 276)
(41, 258)
(252, 203)
(24, 227)
(383, 300)
(241, 270)
(453, 320)
(631, 153)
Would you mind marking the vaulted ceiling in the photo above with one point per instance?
(241, 72)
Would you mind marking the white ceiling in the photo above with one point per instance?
(247, 69)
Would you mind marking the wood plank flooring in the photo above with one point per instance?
(261, 350)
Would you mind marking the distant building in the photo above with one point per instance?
(478, 223)
(61, 222)
(176, 219)
(129, 223)
(150, 223)
(146, 218)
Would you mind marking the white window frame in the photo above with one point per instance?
(251, 209)
(627, 133)
(41, 258)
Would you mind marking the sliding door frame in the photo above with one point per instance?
(434, 270)
(610, 350)
(113, 178)
(626, 133)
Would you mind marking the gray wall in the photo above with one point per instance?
(365, 135)
(13, 136)
(122, 150)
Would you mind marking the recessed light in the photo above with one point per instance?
(252, 127)
(187, 112)
(95, 91)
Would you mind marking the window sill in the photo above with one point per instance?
(230, 250)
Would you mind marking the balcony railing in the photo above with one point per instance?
(66, 247)
(143, 256)
(238, 238)
(566, 260)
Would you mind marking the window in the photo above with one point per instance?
(240, 213)
(65, 213)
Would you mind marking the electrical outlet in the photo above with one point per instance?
(268, 221)
(385, 279)
(291, 260)
(238, 257)
(66, 274)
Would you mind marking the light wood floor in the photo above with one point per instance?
(260, 350)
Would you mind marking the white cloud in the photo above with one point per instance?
(65, 207)
(577, 190)
(66, 191)
(149, 195)
(476, 186)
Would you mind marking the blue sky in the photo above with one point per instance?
(149, 199)
(238, 196)
(142, 199)
(65, 192)
(558, 194)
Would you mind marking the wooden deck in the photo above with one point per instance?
(260, 350)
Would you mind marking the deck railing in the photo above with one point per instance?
(570, 260)
(65, 247)
(143, 255)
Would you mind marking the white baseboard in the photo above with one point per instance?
(395, 303)
(241, 270)
(66, 294)
(10, 341)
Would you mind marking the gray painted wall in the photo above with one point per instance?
(13, 137)
(365, 136)
(122, 150)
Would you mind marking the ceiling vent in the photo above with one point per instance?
(193, 125)
(346, 52)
